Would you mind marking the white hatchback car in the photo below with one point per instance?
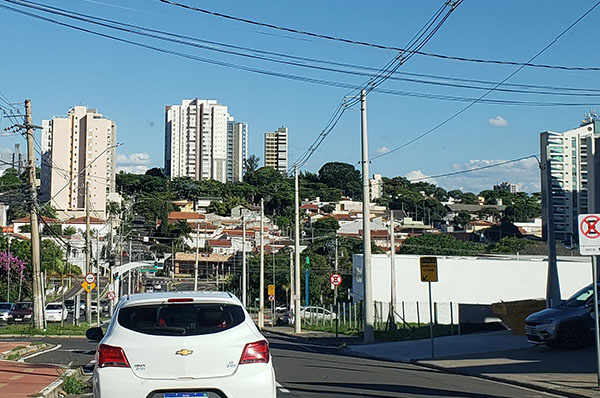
(182, 344)
(56, 312)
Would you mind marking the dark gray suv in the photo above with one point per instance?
(569, 325)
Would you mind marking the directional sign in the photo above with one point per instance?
(335, 279)
(271, 290)
(589, 234)
(88, 287)
(271, 297)
(90, 278)
(111, 295)
(428, 269)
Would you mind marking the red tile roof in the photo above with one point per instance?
(219, 243)
(310, 206)
(182, 215)
(81, 220)
(45, 219)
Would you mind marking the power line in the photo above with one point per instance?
(492, 89)
(376, 45)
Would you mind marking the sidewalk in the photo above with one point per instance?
(499, 356)
(22, 380)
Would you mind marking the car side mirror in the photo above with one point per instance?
(94, 334)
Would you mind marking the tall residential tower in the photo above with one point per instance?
(78, 151)
(276, 149)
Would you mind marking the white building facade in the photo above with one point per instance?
(237, 150)
(276, 149)
(567, 154)
(197, 140)
(78, 150)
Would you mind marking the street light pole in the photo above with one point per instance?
(261, 307)
(297, 288)
(244, 282)
(197, 254)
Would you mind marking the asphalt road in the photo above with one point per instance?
(309, 370)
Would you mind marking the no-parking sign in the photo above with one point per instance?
(589, 234)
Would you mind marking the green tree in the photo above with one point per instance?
(326, 226)
(462, 219)
(440, 244)
(252, 163)
(343, 176)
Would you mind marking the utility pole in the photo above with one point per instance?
(336, 270)
(552, 283)
(367, 280)
(197, 254)
(291, 302)
(88, 253)
(261, 310)
(131, 270)
(392, 312)
(244, 281)
(38, 320)
(98, 277)
(297, 312)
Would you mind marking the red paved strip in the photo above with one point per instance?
(7, 346)
(21, 380)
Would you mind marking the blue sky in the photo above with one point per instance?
(58, 67)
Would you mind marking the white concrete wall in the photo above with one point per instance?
(471, 280)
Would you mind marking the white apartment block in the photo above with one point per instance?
(507, 186)
(196, 140)
(567, 154)
(78, 150)
(376, 187)
(237, 150)
(276, 149)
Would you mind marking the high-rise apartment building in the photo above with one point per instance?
(237, 150)
(276, 149)
(506, 186)
(78, 151)
(196, 140)
(569, 156)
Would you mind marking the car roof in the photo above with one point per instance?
(140, 298)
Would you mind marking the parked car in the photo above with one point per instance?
(21, 313)
(56, 312)
(317, 313)
(5, 309)
(104, 306)
(70, 304)
(177, 344)
(157, 285)
(569, 325)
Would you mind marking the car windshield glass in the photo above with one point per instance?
(53, 307)
(181, 319)
(580, 298)
(23, 306)
(5, 306)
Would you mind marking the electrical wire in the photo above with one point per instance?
(455, 115)
(376, 45)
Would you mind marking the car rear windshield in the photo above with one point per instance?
(23, 306)
(181, 319)
(53, 307)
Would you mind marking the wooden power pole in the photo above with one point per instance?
(38, 311)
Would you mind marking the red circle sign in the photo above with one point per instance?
(335, 279)
(111, 295)
(590, 227)
(90, 278)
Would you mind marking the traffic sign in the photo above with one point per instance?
(271, 290)
(429, 271)
(111, 295)
(88, 287)
(335, 279)
(589, 234)
(271, 297)
(90, 278)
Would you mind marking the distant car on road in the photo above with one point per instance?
(56, 312)
(5, 309)
(157, 285)
(569, 325)
(21, 313)
(182, 344)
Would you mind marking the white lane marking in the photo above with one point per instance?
(39, 353)
(281, 388)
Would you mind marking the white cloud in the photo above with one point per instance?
(382, 149)
(418, 175)
(133, 158)
(132, 169)
(498, 121)
(524, 173)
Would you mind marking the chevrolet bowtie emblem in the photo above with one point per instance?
(184, 352)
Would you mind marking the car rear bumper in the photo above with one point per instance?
(252, 380)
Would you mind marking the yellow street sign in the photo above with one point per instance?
(88, 287)
(271, 290)
(429, 271)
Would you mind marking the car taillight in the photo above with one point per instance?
(111, 357)
(257, 352)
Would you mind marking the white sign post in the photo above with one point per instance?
(589, 245)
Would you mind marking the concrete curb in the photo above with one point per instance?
(41, 336)
(53, 390)
(31, 349)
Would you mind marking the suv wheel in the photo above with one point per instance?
(571, 336)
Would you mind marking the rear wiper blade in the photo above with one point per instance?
(166, 329)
